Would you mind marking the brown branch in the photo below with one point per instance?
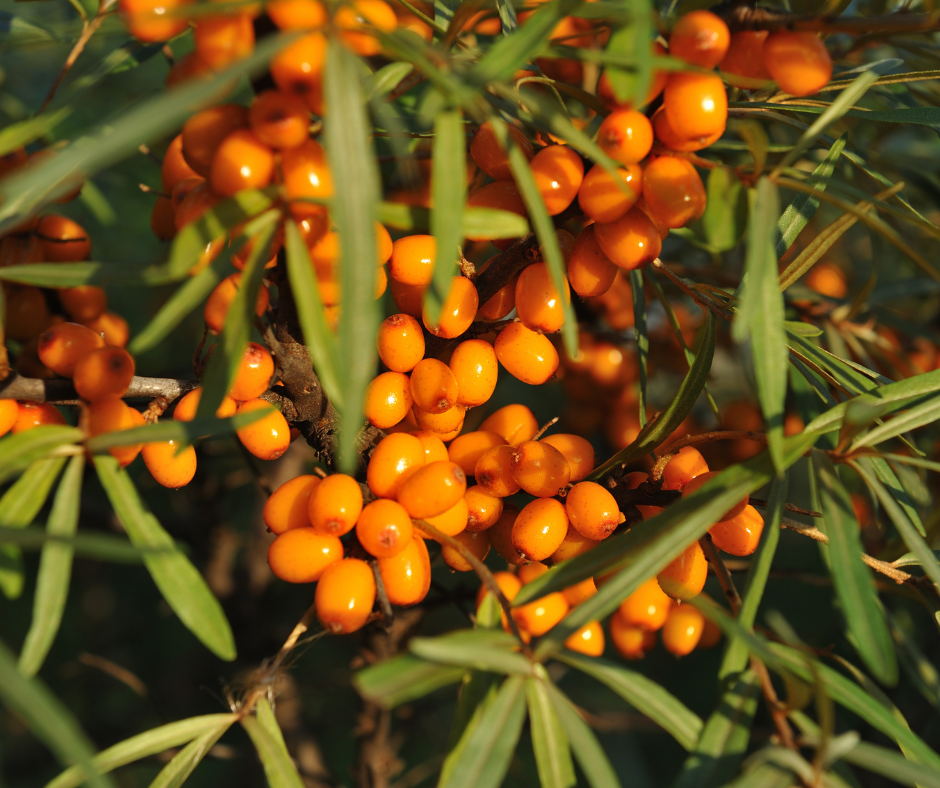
(688, 287)
(760, 503)
(716, 435)
(778, 710)
(62, 392)
(721, 572)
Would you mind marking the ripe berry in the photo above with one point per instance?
(105, 373)
(711, 635)
(502, 302)
(683, 630)
(153, 20)
(203, 133)
(253, 374)
(489, 156)
(388, 399)
(221, 298)
(345, 595)
(592, 510)
(605, 197)
(739, 535)
(288, 506)
(394, 460)
(476, 369)
(743, 65)
(307, 177)
(447, 424)
(433, 386)
(83, 303)
(9, 411)
(35, 414)
(540, 469)
(526, 355)
(478, 543)
(457, 312)
(279, 120)
(558, 172)
(171, 463)
(675, 140)
(516, 423)
(695, 484)
(577, 451)
(406, 576)
(588, 640)
(539, 305)
(632, 642)
(302, 555)
(501, 536)
(114, 415)
(408, 298)
(362, 15)
(630, 242)
(174, 168)
(493, 472)
(673, 191)
(384, 528)
(696, 104)
(508, 583)
(683, 467)
(296, 14)
(412, 261)
(298, 69)
(590, 271)
(62, 346)
(62, 240)
(224, 39)
(188, 404)
(483, 509)
(573, 545)
(540, 528)
(241, 161)
(700, 38)
(537, 617)
(647, 607)
(606, 93)
(451, 522)
(434, 448)
(580, 592)
(335, 504)
(268, 437)
(400, 342)
(433, 489)
(798, 62)
(626, 136)
(684, 577)
(505, 196)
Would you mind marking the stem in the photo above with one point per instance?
(721, 572)
(62, 392)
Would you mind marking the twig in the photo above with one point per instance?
(62, 392)
(687, 287)
(716, 435)
(760, 503)
(778, 711)
(381, 595)
(721, 572)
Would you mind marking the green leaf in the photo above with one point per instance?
(102, 547)
(719, 751)
(386, 79)
(630, 41)
(492, 223)
(21, 31)
(549, 740)
(57, 275)
(482, 755)
(278, 766)
(19, 450)
(926, 413)
(178, 770)
(645, 695)
(847, 375)
(491, 649)
(725, 217)
(145, 744)
(921, 116)
(867, 628)
(896, 768)
(20, 134)
(766, 775)
(656, 431)
(184, 431)
(642, 338)
(759, 319)
(402, 679)
(55, 569)
(352, 163)
(182, 586)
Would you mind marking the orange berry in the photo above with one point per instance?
(163, 219)
(827, 279)
(606, 93)
(684, 577)
(412, 260)
(501, 536)
(64, 345)
(539, 305)
(695, 484)
(711, 635)
(174, 169)
(83, 303)
(335, 504)
(186, 68)
(631, 642)
(483, 509)
(700, 38)
(526, 355)
(35, 414)
(451, 522)
(388, 399)
(577, 451)
(592, 510)
(241, 161)
(493, 472)
(254, 373)
(500, 304)
(558, 173)
(359, 16)
(573, 545)
(345, 596)
(743, 64)
(580, 592)
(588, 640)
(224, 39)
(476, 369)
(395, 458)
(466, 450)
(647, 607)
(105, 373)
(447, 424)
(630, 242)
(221, 298)
(605, 197)
(301, 555)
(384, 528)
(153, 20)
(477, 542)
(306, 177)
(540, 528)
(540, 469)
(537, 617)
(171, 463)
(673, 191)
(508, 583)
(288, 506)
(296, 14)
(268, 437)
(433, 489)
(9, 411)
(683, 467)
(298, 69)
(674, 139)
(696, 104)
(189, 403)
(739, 535)
(504, 195)
(408, 298)
(434, 448)
(114, 415)
(625, 135)
(62, 240)
(203, 133)
(516, 423)
(683, 630)
(590, 271)
(433, 386)
(490, 157)
(798, 62)
(406, 576)
(279, 120)
(400, 342)
(531, 571)
(457, 312)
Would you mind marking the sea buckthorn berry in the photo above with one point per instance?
(254, 373)
(537, 617)
(400, 342)
(288, 506)
(525, 354)
(302, 555)
(501, 303)
(442, 424)
(345, 596)
(647, 607)
(163, 219)
(739, 535)
(684, 577)
(626, 136)
(296, 14)
(384, 528)
(105, 373)
(83, 303)
(383, 244)
(743, 65)
(433, 386)
(516, 423)
(35, 414)
(508, 583)
(298, 69)
(630, 242)
(483, 509)
(580, 592)
(356, 19)
(700, 38)
(457, 312)
(501, 536)
(241, 255)
(171, 463)
(307, 177)
(558, 173)
(696, 483)
(539, 305)
(633, 480)
(412, 260)
(62, 346)
(204, 131)
(477, 542)
(174, 168)
(683, 467)
(62, 240)
(433, 489)
(408, 298)
(827, 279)
(113, 415)
(540, 528)
(268, 437)
(221, 298)
(673, 191)
(531, 571)
(394, 460)
(573, 545)
(683, 630)
(406, 576)
(674, 140)
(711, 635)
(186, 68)
(241, 161)
(588, 640)
(466, 450)
(696, 104)
(388, 399)
(490, 157)
(335, 504)
(577, 451)
(434, 448)
(631, 642)
(592, 510)
(153, 20)
(605, 91)
(476, 370)
(493, 472)
(505, 196)
(189, 403)
(798, 62)
(222, 40)
(450, 523)
(540, 469)
(9, 411)
(605, 197)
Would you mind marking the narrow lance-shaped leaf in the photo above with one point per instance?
(20, 449)
(403, 678)
(630, 41)
(184, 763)
(492, 650)
(101, 547)
(353, 166)
(642, 337)
(549, 740)
(269, 742)
(56, 275)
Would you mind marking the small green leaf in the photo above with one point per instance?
(178, 770)
(183, 431)
(15, 28)
(269, 742)
(726, 212)
(926, 413)
(922, 116)
(19, 450)
(492, 650)
(549, 740)
(19, 134)
(387, 78)
(880, 760)
(632, 41)
(849, 376)
(642, 338)
(493, 223)
(57, 275)
(102, 547)
(403, 678)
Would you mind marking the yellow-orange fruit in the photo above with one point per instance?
(684, 577)
(443, 424)
(279, 119)
(605, 197)
(307, 176)
(508, 583)
(558, 172)
(695, 484)
(711, 635)
(288, 506)
(433, 386)
(588, 640)
(540, 469)
(700, 38)
(632, 642)
(490, 157)
(631, 241)
(739, 535)
(335, 504)
(394, 460)
(406, 576)
(433, 489)
(539, 304)
(798, 62)
(400, 342)
(205, 130)
(476, 542)
(148, 20)
(540, 528)
(683, 630)
(113, 415)
(580, 592)
(412, 260)
(531, 571)
(105, 373)
(345, 596)
(625, 135)
(221, 298)
(188, 404)
(526, 355)
(743, 64)
(576, 450)
(268, 437)
(466, 450)
(673, 191)
(83, 303)
(35, 414)
(457, 312)
(647, 607)
(592, 510)
(475, 369)
(516, 423)
(388, 399)
(484, 510)
(590, 272)
(302, 555)
(573, 545)
(683, 467)
(297, 14)
(356, 19)
(451, 522)
(501, 536)
(537, 617)
(254, 373)
(171, 463)
(408, 298)
(384, 528)
(695, 104)
(493, 472)
(62, 346)
(8, 413)
(434, 448)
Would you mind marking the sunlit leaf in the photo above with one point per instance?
(182, 765)
(492, 650)
(400, 679)
(549, 740)
(20, 449)
(278, 767)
